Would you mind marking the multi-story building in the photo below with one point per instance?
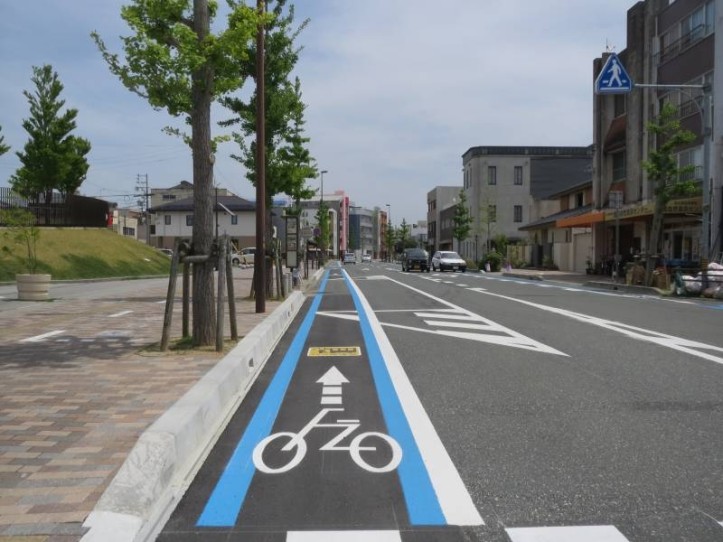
(670, 56)
(361, 229)
(338, 208)
(505, 185)
(439, 199)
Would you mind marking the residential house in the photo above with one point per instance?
(233, 216)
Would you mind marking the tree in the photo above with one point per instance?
(324, 237)
(670, 180)
(176, 63)
(462, 220)
(389, 236)
(487, 219)
(52, 159)
(3, 147)
(288, 162)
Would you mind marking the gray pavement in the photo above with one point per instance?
(96, 426)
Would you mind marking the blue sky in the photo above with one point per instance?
(397, 90)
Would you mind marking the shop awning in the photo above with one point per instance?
(580, 221)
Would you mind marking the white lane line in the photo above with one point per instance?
(446, 316)
(42, 337)
(121, 313)
(594, 533)
(454, 499)
(461, 325)
(343, 536)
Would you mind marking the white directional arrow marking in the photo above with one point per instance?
(332, 381)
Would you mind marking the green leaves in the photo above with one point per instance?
(3, 147)
(462, 219)
(20, 227)
(52, 159)
(662, 165)
(165, 51)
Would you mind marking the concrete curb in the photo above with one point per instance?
(629, 288)
(159, 468)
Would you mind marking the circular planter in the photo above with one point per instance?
(33, 287)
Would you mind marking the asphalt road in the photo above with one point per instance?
(473, 407)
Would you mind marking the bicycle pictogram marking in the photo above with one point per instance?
(297, 446)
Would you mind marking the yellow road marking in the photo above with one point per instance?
(333, 351)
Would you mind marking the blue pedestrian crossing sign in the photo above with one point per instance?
(613, 79)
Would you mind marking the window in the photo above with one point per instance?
(189, 220)
(619, 171)
(579, 199)
(518, 175)
(518, 213)
(492, 175)
(234, 220)
(619, 104)
(492, 212)
(167, 220)
(167, 197)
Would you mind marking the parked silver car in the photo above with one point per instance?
(443, 260)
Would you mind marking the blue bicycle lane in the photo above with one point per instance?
(330, 443)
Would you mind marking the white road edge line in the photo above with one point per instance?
(39, 338)
(454, 499)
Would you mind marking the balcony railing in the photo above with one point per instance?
(678, 46)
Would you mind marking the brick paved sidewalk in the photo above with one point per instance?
(73, 405)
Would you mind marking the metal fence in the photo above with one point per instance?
(73, 211)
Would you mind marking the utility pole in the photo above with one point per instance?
(260, 259)
(142, 187)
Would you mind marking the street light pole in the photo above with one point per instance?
(321, 211)
(389, 226)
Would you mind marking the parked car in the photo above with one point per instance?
(244, 256)
(415, 258)
(167, 251)
(366, 258)
(349, 257)
(443, 260)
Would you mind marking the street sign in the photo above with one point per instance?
(613, 79)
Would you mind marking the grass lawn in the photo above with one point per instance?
(83, 253)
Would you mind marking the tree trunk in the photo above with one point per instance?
(204, 315)
(656, 236)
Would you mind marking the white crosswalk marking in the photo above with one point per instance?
(595, 533)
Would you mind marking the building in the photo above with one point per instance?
(338, 207)
(553, 239)
(670, 51)
(439, 199)
(508, 187)
(234, 216)
(361, 230)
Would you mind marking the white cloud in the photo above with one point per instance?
(397, 90)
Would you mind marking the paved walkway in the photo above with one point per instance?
(73, 405)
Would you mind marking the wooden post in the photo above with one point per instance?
(231, 299)
(186, 299)
(170, 296)
(220, 301)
